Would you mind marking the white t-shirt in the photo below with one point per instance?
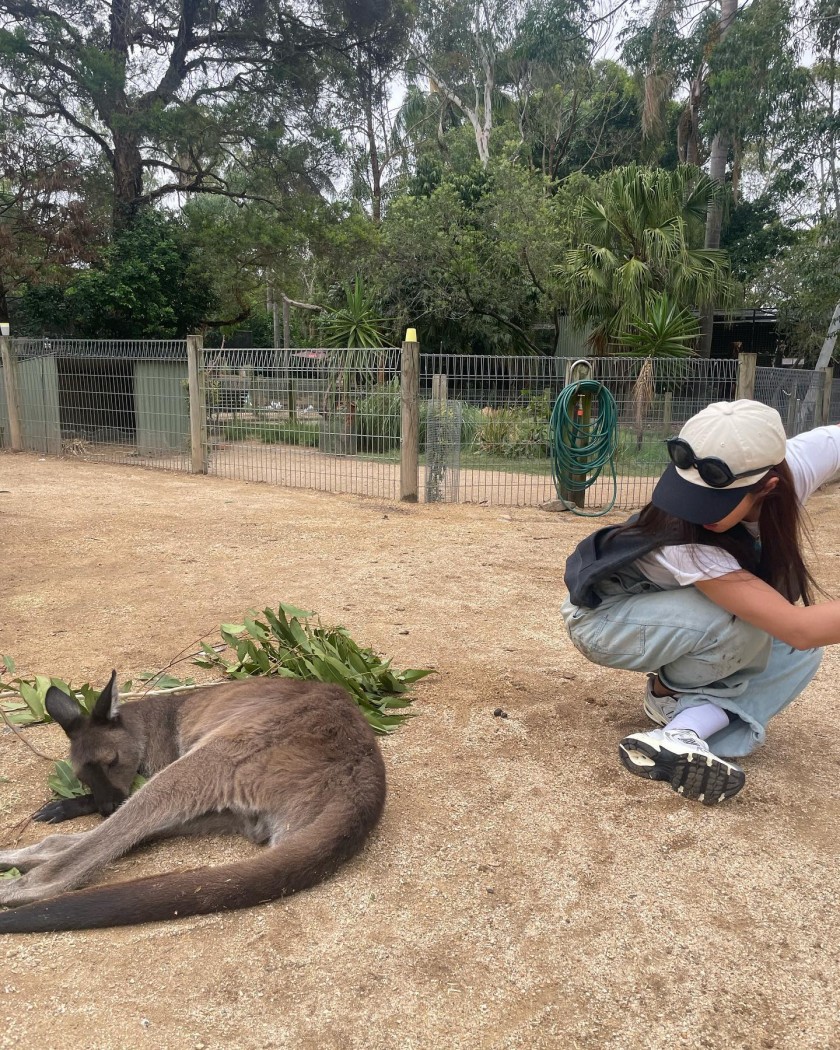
(813, 458)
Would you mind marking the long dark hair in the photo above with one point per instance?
(779, 562)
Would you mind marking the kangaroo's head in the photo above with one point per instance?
(104, 754)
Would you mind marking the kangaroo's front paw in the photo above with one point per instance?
(53, 812)
(62, 809)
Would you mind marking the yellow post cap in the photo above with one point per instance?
(411, 335)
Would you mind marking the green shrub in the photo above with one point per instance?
(285, 432)
(513, 433)
(378, 417)
(379, 414)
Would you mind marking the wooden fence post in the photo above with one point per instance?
(746, 376)
(824, 405)
(826, 395)
(10, 383)
(410, 407)
(198, 414)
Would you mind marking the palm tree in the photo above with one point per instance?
(642, 239)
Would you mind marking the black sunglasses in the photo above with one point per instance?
(713, 471)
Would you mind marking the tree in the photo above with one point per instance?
(482, 58)
(586, 121)
(471, 262)
(365, 74)
(738, 66)
(48, 226)
(149, 282)
(175, 96)
(803, 283)
(642, 237)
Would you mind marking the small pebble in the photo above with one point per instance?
(499, 713)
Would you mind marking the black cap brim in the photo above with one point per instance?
(694, 503)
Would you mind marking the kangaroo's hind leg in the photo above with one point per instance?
(28, 857)
(174, 796)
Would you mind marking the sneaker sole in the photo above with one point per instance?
(695, 775)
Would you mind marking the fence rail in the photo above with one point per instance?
(390, 423)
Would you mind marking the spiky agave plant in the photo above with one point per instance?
(353, 333)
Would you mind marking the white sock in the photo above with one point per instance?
(705, 720)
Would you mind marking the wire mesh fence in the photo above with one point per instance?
(314, 418)
(506, 404)
(111, 400)
(795, 392)
(332, 419)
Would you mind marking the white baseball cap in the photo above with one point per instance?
(744, 436)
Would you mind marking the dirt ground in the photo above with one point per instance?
(522, 890)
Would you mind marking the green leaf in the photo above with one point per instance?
(9, 664)
(33, 701)
(22, 717)
(256, 629)
(293, 610)
(414, 674)
(64, 782)
(299, 635)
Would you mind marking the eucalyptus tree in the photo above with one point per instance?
(365, 76)
(736, 68)
(642, 236)
(175, 96)
(485, 59)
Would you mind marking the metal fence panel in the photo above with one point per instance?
(314, 418)
(794, 392)
(121, 401)
(331, 419)
(506, 407)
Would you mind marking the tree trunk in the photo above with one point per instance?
(127, 161)
(375, 165)
(717, 172)
(128, 179)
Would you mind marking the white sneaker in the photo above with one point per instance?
(659, 709)
(682, 758)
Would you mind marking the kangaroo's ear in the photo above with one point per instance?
(63, 709)
(106, 706)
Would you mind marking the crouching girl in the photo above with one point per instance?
(706, 590)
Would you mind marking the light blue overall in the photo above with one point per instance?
(698, 649)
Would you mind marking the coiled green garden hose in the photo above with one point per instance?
(582, 442)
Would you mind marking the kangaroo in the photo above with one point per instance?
(289, 763)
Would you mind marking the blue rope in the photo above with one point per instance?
(580, 451)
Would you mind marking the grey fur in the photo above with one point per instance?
(291, 764)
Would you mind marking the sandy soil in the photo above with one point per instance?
(522, 890)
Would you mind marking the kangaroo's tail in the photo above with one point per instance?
(299, 860)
